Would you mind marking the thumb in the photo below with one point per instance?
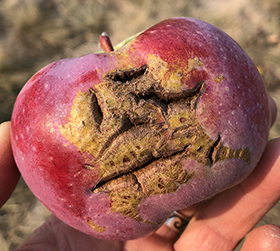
(264, 238)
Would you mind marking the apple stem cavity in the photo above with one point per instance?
(105, 43)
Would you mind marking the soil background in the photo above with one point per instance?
(34, 33)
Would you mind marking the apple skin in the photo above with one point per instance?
(234, 105)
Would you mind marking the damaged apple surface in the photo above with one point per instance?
(112, 143)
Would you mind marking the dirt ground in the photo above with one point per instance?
(34, 33)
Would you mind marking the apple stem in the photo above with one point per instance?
(105, 42)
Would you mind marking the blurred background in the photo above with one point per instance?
(34, 33)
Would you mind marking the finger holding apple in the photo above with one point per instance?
(112, 143)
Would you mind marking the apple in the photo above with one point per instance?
(113, 143)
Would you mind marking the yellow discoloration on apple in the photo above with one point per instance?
(80, 129)
(169, 80)
(193, 63)
(219, 78)
(94, 226)
(183, 117)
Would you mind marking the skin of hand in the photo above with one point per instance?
(217, 224)
(9, 174)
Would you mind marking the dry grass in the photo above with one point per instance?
(34, 33)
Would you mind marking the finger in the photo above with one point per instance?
(55, 235)
(166, 233)
(264, 238)
(163, 240)
(149, 243)
(169, 232)
(273, 109)
(9, 174)
(230, 215)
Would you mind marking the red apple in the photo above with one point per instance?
(112, 143)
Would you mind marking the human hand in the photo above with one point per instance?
(9, 174)
(216, 224)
